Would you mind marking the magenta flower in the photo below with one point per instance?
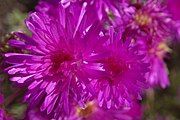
(120, 13)
(151, 18)
(4, 116)
(124, 77)
(35, 114)
(155, 52)
(159, 72)
(105, 8)
(174, 7)
(151, 25)
(93, 112)
(90, 59)
(99, 6)
(55, 66)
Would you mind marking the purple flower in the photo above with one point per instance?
(55, 66)
(174, 7)
(120, 13)
(124, 73)
(4, 116)
(151, 18)
(104, 8)
(35, 114)
(151, 26)
(159, 72)
(155, 52)
(93, 112)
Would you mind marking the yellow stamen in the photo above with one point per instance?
(90, 108)
(142, 19)
(161, 49)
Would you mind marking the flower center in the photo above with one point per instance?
(142, 19)
(115, 66)
(90, 108)
(160, 50)
(60, 58)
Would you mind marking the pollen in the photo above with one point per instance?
(88, 110)
(161, 49)
(143, 19)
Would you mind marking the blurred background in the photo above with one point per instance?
(158, 104)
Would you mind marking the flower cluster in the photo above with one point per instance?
(89, 59)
